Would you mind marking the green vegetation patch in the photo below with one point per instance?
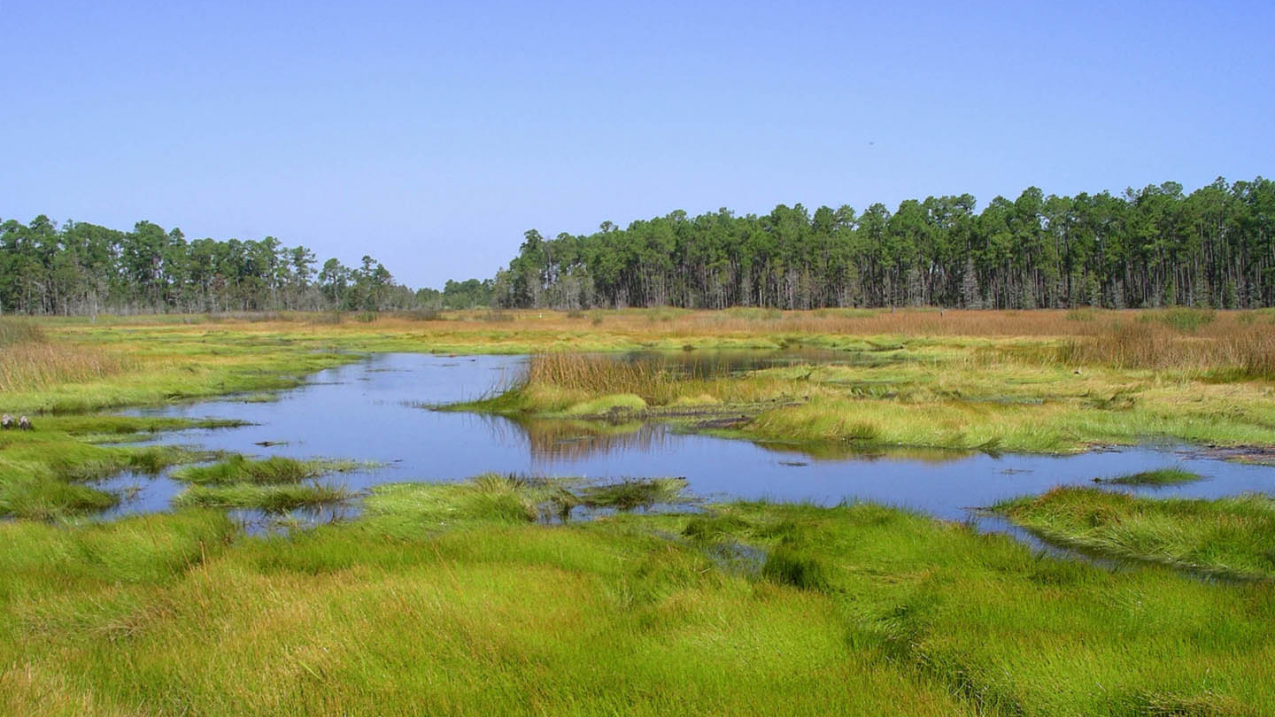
(270, 498)
(514, 498)
(275, 470)
(1225, 536)
(1162, 476)
(610, 404)
(634, 493)
(452, 599)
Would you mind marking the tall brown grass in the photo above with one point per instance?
(1249, 350)
(30, 362)
(601, 374)
(17, 331)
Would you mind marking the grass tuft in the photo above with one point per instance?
(276, 470)
(1162, 476)
(270, 498)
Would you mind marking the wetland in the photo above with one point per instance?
(639, 511)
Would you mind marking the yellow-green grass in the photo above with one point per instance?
(442, 600)
(272, 498)
(1001, 397)
(276, 470)
(1230, 536)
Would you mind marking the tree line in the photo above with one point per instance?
(1151, 247)
(79, 268)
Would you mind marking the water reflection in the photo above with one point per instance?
(553, 441)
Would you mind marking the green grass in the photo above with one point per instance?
(270, 498)
(1226, 536)
(443, 600)
(1161, 476)
(275, 470)
(19, 331)
(45, 473)
(632, 494)
(475, 598)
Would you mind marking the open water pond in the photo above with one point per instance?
(371, 411)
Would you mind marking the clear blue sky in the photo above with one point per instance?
(431, 135)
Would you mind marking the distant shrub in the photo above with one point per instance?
(365, 317)
(575, 314)
(496, 316)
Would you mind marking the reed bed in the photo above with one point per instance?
(648, 378)
(34, 366)
(16, 331)
(1248, 350)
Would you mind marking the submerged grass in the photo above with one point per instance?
(441, 599)
(1226, 536)
(631, 494)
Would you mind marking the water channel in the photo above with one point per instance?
(372, 411)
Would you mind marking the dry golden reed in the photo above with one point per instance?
(1247, 349)
(600, 374)
(35, 366)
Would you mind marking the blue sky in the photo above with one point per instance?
(431, 135)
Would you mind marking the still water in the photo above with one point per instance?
(372, 411)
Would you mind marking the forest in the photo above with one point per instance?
(1151, 247)
(1145, 248)
(80, 269)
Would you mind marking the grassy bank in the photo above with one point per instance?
(1227, 536)
(443, 600)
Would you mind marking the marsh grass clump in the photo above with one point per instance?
(1185, 320)
(1159, 477)
(601, 374)
(1247, 351)
(631, 494)
(1225, 536)
(715, 527)
(20, 331)
(38, 365)
(788, 566)
(511, 498)
(272, 498)
(1082, 315)
(153, 460)
(276, 470)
